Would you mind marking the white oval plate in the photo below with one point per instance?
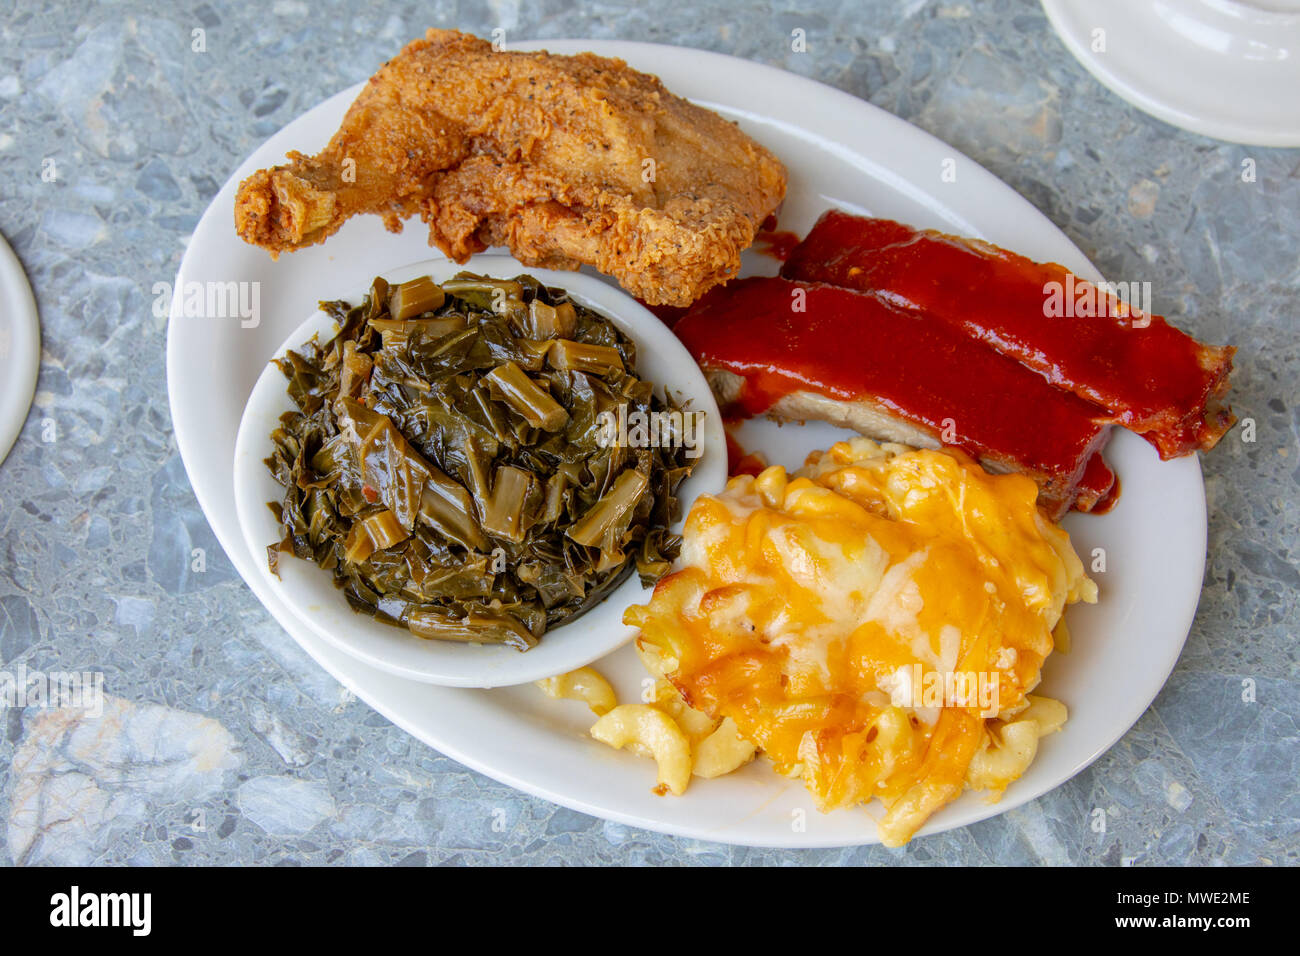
(840, 151)
(20, 347)
(1223, 68)
(310, 592)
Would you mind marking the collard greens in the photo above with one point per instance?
(446, 461)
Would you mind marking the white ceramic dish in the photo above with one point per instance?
(1223, 68)
(20, 347)
(840, 151)
(310, 592)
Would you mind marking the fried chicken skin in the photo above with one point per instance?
(567, 160)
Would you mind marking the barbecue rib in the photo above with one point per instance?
(568, 160)
(800, 351)
(1152, 378)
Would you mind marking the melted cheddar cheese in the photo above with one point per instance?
(806, 608)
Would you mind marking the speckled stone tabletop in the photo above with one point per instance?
(222, 742)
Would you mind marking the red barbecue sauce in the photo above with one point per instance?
(741, 462)
(1098, 488)
(845, 345)
(1154, 380)
(777, 243)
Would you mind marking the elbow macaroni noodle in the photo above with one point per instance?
(653, 731)
(585, 684)
(682, 741)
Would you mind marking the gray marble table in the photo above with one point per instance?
(222, 742)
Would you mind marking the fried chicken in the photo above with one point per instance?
(567, 160)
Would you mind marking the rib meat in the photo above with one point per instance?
(1152, 378)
